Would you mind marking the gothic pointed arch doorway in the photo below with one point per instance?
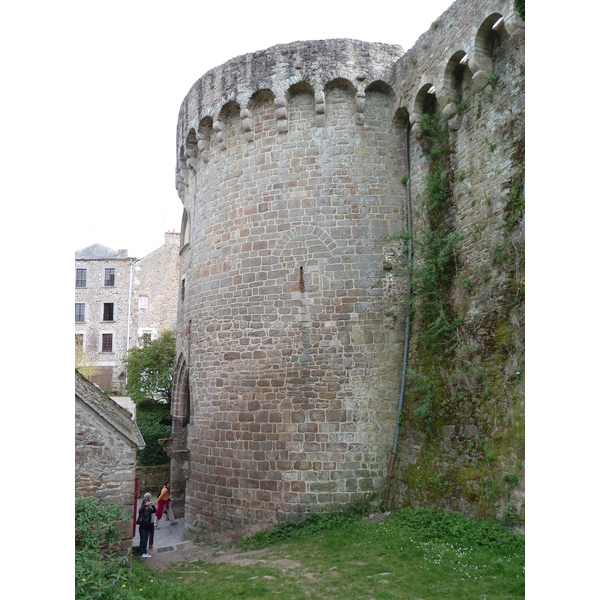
(180, 454)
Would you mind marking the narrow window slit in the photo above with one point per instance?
(302, 279)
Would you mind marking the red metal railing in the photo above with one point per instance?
(135, 506)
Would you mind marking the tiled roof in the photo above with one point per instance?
(96, 251)
(116, 416)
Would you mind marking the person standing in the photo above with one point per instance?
(162, 501)
(148, 497)
(144, 521)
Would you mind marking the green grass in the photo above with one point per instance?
(413, 553)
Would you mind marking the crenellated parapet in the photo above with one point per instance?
(460, 43)
(278, 72)
(461, 39)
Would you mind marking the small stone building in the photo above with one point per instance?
(106, 440)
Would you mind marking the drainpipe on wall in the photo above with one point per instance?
(129, 310)
(407, 323)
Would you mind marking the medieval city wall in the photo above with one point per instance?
(472, 457)
(292, 174)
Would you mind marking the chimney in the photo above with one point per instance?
(171, 238)
(122, 253)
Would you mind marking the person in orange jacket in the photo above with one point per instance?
(163, 503)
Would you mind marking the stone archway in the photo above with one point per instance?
(177, 449)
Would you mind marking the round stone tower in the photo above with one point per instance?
(289, 166)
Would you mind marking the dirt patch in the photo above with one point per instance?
(191, 553)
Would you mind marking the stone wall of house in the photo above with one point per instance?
(110, 366)
(291, 170)
(105, 468)
(156, 277)
(105, 462)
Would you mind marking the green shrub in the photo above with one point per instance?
(433, 524)
(150, 369)
(98, 576)
(154, 421)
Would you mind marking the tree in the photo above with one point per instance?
(150, 369)
(83, 362)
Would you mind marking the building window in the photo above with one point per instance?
(79, 311)
(182, 290)
(143, 302)
(107, 342)
(109, 277)
(146, 338)
(81, 278)
(109, 311)
(79, 340)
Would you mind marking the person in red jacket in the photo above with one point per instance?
(163, 499)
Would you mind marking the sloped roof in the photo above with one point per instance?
(96, 251)
(116, 416)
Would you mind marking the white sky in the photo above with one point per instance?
(119, 72)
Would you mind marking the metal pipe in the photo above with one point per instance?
(129, 302)
(407, 321)
(131, 261)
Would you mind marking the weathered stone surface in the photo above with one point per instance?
(288, 356)
(106, 441)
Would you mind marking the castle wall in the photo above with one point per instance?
(474, 460)
(291, 171)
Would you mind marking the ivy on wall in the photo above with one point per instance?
(436, 269)
(466, 376)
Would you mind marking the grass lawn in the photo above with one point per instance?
(409, 554)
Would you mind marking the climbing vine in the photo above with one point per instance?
(435, 249)
(461, 375)
(435, 271)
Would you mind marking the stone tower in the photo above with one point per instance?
(290, 173)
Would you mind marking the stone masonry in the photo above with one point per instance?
(291, 171)
(106, 441)
(156, 281)
(105, 312)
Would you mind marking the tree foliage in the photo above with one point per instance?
(83, 362)
(154, 421)
(150, 369)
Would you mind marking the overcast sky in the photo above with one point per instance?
(111, 77)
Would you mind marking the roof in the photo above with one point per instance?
(104, 406)
(96, 251)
